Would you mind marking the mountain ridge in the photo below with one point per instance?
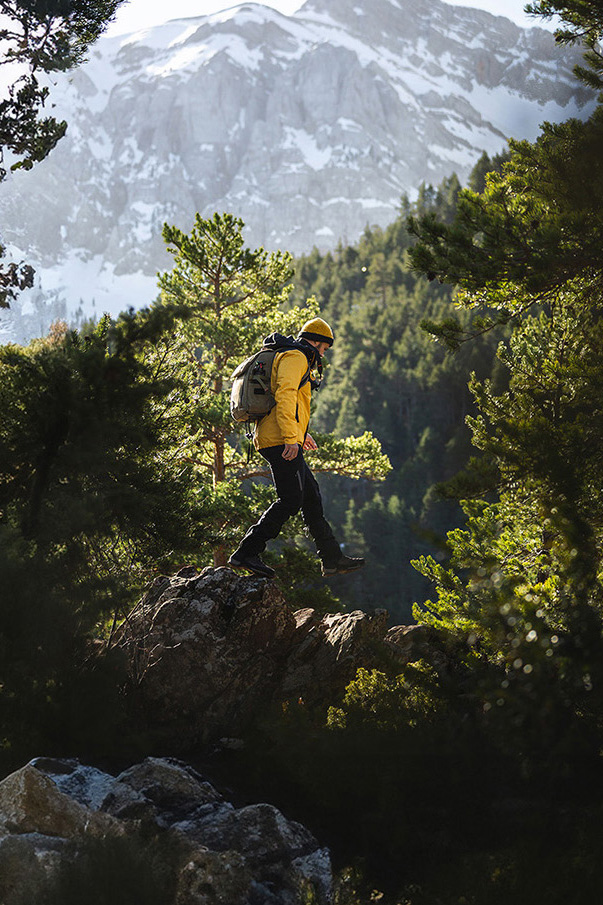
(310, 127)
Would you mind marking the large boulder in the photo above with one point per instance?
(208, 651)
(242, 856)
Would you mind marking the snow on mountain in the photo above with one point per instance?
(307, 126)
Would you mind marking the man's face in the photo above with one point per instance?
(320, 347)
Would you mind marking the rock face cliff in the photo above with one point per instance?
(209, 651)
(308, 126)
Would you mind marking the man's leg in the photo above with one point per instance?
(333, 560)
(296, 488)
(288, 480)
(326, 545)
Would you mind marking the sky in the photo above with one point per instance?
(137, 14)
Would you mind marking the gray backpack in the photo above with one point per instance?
(251, 397)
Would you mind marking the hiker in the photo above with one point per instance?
(282, 437)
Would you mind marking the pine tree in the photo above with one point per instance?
(87, 443)
(523, 588)
(582, 21)
(235, 298)
(93, 500)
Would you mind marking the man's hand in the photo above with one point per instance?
(290, 451)
(310, 442)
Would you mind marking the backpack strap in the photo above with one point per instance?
(293, 348)
(305, 379)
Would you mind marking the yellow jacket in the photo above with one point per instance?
(288, 421)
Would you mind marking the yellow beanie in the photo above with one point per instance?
(318, 330)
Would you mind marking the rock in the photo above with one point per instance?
(169, 791)
(330, 653)
(209, 651)
(410, 643)
(251, 855)
(283, 854)
(210, 877)
(27, 861)
(38, 823)
(206, 650)
(30, 802)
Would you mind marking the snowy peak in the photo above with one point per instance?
(307, 126)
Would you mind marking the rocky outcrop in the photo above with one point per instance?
(251, 855)
(209, 651)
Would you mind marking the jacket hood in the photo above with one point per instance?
(281, 343)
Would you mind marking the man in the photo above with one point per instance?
(281, 437)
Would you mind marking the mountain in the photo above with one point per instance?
(308, 126)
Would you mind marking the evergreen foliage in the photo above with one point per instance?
(581, 21)
(385, 374)
(235, 298)
(93, 499)
(42, 36)
(534, 229)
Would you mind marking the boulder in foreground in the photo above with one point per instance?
(50, 810)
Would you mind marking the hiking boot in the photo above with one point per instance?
(343, 564)
(252, 564)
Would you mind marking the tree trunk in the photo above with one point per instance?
(220, 553)
(220, 556)
(219, 468)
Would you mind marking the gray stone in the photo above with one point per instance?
(411, 643)
(251, 855)
(30, 802)
(28, 861)
(206, 651)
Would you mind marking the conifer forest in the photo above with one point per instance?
(460, 434)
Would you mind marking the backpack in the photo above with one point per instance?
(251, 397)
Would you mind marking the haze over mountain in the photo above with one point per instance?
(308, 126)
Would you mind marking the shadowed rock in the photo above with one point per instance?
(220, 853)
(207, 652)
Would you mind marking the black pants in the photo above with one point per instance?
(296, 488)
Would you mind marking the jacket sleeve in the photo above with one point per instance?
(290, 371)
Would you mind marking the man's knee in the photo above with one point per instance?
(281, 511)
(290, 495)
(290, 505)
